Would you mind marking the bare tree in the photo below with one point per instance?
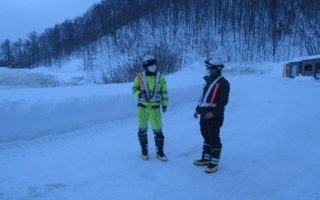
(6, 52)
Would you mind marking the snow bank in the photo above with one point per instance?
(70, 74)
(13, 78)
(29, 113)
(32, 112)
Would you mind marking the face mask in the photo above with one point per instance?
(212, 72)
(152, 68)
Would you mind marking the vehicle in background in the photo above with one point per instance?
(303, 66)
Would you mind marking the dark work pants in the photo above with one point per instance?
(210, 130)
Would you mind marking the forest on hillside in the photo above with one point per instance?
(243, 30)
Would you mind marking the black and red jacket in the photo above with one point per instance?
(217, 98)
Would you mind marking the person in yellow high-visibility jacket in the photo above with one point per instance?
(150, 88)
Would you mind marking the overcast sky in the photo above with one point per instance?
(20, 17)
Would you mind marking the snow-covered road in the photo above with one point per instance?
(271, 151)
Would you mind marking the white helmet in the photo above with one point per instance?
(212, 63)
(149, 60)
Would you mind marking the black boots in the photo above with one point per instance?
(143, 139)
(214, 160)
(210, 158)
(205, 158)
(159, 140)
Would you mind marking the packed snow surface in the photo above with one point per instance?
(81, 142)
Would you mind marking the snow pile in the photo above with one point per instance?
(23, 78)
(30, 113)
(34, 112)
(70, 74)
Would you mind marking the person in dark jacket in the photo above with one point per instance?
(211, 107)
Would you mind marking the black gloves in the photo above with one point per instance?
(143, 95)
(164, 109)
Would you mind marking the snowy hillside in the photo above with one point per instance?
(89, 147)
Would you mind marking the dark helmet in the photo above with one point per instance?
(148, 61)
(214, 63)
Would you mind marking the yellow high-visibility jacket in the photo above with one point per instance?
(154, 86)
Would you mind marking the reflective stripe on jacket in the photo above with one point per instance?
(155, 88)
(215, 95)
(204, 97)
